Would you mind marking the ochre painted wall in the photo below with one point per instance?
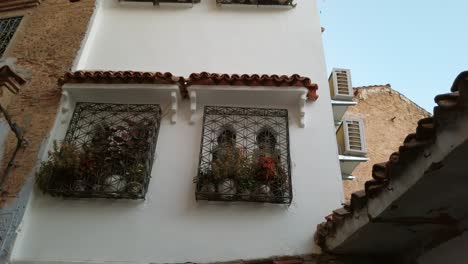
(388, 117)
(46, 44)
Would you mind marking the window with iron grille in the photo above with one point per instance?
(8, 28)
(108, 152)
(257, 2)
(244, 155)
(157, 2)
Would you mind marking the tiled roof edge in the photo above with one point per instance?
(388, 86)
(373, 86)
(203, 78)
(461, 80)
(412, 148)
(119, 77)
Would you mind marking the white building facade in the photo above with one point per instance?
(169, 220)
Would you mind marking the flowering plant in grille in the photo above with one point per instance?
(244, 156)
(112, 146)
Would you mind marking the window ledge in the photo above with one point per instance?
(352, 158)
(248, 96)
(339, 102)
(340, 108)
(348, 177)
(189, 3)
(349, 163)
(258, 3)
(119, 93)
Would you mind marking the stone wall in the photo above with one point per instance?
(46, 44)
(389, 117)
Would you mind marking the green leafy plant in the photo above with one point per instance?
(111, 161)
(61, 170)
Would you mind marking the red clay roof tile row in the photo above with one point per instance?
(412, 148)
(119, 77)
(204, 78)
(294, 80)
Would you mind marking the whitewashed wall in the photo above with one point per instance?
(454, 251)
(170, 226)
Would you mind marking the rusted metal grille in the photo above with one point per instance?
(114, 145)
(8, 28)
(244, 156)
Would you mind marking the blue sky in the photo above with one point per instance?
(417, 46)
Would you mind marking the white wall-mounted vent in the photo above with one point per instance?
(351, 138)
(341, 87)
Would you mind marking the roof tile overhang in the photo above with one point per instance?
(12, 5)
(418, 197)
(255, 80)
(204, 78)
(119, 77)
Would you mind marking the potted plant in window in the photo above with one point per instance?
(58, 174)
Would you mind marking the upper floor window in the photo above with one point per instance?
(158, 2)
(258, 2)
(8, 28)
(108, 152)
(244, 155)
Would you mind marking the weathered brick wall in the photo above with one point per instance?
(46, 43)
(389, 117)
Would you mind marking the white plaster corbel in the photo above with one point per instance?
(193, 106)
(66, 106)
(173, 107)
(302, 112)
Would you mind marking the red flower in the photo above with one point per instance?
(268, 170)
(87, 164)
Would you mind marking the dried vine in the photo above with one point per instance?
(20, 142)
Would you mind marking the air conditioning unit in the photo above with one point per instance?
(340, 85)
(351, 138)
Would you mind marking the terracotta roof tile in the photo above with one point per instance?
(460, 81)
(372, 86)
(194, 79)
(448, 105)
(295, 80)
(119, 77)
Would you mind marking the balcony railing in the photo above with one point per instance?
(244, 156)
(108, 152)
(258, 2)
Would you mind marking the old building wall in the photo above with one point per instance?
(46, 44)
(389, 117)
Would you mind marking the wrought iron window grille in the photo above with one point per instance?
(108, 152)
(244, 156)
(157, 2)
(258, 2)
(8, 28)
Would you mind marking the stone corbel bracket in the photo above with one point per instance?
(174, 107)
(193, 106)
(302, 111)
(66, 106)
